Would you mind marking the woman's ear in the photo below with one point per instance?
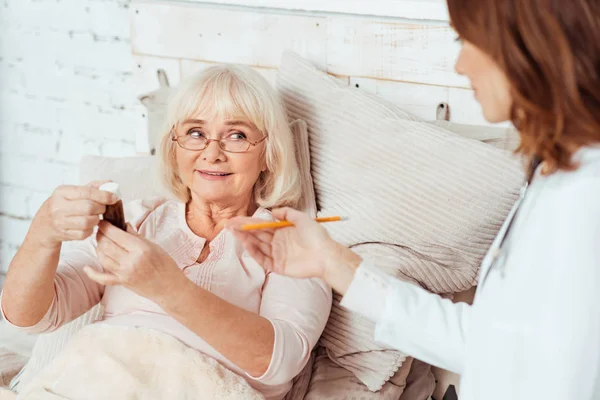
(264, 165)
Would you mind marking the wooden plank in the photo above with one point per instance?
(348, 46)
(189, 67)
(392, 50)
(140, 128)
(422, 100)
(435, 10)
(220, 35)
(419, 100)
(465, 109)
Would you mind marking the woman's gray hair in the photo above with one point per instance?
(236, 92)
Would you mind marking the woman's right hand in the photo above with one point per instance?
(302, 251)
(70, 213)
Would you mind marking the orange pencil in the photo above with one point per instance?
(284, 224)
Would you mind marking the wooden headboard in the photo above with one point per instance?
(408, 61)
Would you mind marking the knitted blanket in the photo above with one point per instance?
(111, 362)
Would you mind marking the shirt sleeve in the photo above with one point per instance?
(409, 318)
(74, 292)
(298, 309)
(566, 363)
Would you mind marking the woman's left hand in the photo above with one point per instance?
(134, 262)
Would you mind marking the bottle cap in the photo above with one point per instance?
(112, 187)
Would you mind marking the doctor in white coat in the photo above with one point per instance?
(533, 331)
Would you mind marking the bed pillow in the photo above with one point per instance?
(307, 202)
(423, 202)
(330, 381)
(137, 176)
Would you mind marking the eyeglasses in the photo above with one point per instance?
(197, 141)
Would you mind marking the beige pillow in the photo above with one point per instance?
(137, 176)
(307, 202)
(330, 381)
(424, 202)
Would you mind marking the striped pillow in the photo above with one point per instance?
(423, 201)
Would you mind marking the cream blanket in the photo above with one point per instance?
(112, 362)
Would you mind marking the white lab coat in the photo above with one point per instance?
(533, 331)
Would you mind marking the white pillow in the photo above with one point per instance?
(137, 176)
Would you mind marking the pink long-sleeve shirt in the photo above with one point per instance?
(297, 308)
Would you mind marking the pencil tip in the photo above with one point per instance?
(342, 218)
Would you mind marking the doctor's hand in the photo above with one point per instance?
(302, 251)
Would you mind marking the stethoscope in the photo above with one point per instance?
(500, 253)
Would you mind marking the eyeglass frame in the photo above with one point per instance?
(175, 138)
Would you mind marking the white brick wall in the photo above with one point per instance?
(66, 89)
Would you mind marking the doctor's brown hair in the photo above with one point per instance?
(550, 52)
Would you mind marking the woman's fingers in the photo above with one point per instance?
(87, 193)
(131, 230)
(287, 214)
(102, 278)
(261, 239)
(298, 218)
(79, 222)
(109, 264)
(78, 234)
(259, 256)
(235, 225)
(105, 241)
(258, 245)
(257, 249)
(110, 248)
(77, 227)
(71, 212)
(263, 235)
(238, 222)
(128, 241)
(84, 208)
(264, 248)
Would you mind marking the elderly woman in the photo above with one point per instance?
(229, 152)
